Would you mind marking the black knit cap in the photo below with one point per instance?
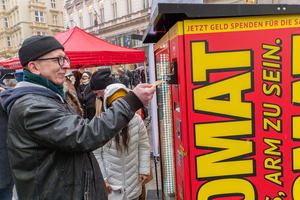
(101, 79)
(37, 46)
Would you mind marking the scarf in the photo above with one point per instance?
(85, 82)
(33, 78)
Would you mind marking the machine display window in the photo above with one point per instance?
(165, 123)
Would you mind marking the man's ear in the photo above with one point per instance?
(33, 68)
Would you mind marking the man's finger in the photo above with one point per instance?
(144, 85)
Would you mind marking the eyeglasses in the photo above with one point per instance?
(60, 59)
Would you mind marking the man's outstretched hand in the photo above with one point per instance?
(144, 92)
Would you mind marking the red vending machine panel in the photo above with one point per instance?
(243, 114)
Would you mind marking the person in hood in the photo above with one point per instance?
(49, 145)
(124, 160)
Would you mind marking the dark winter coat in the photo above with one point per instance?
(124, 80)
(50, 149)
(135, 78)
(86, 96)
(143, 77)
(129, 74)
(5, 172)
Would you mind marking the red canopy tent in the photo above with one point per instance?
(13, 63)
(86, 50)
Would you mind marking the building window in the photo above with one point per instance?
(70, 19)
(145, 3)
(114, 8)
(55, 20)
(53, 4)
(101, 10)
(91, 15)
(6, 22)
(80, 18)
(3, 4)
(129, 8)
(41, 33)
(8, 42)
(39, 16)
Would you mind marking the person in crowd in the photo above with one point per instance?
(69, 84)
(122, 76)
(71, 98)
(113, 78)
(135, 78)
(129, 75)
(113, 74)
(143, 76)
(6, 179)
(99, 81)
(49, 145)
(10, 82)
(86, 96)
(77, 76)
(130, 146)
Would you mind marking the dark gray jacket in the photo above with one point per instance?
(124, 80)
(5, 172)
(50, 149)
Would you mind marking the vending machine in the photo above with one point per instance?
(229, 113)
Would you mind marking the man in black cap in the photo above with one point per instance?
(49, 145)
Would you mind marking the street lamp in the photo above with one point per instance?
(71, 20)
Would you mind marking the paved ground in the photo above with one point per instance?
(151, 187)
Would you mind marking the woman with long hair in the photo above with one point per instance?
(124, 161)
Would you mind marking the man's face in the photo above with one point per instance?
(50, 69)
(100, 93)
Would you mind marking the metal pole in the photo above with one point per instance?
(145, 71)
(155, 162)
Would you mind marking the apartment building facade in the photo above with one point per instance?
(20, 19)
(116, 21)
(122, 22)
